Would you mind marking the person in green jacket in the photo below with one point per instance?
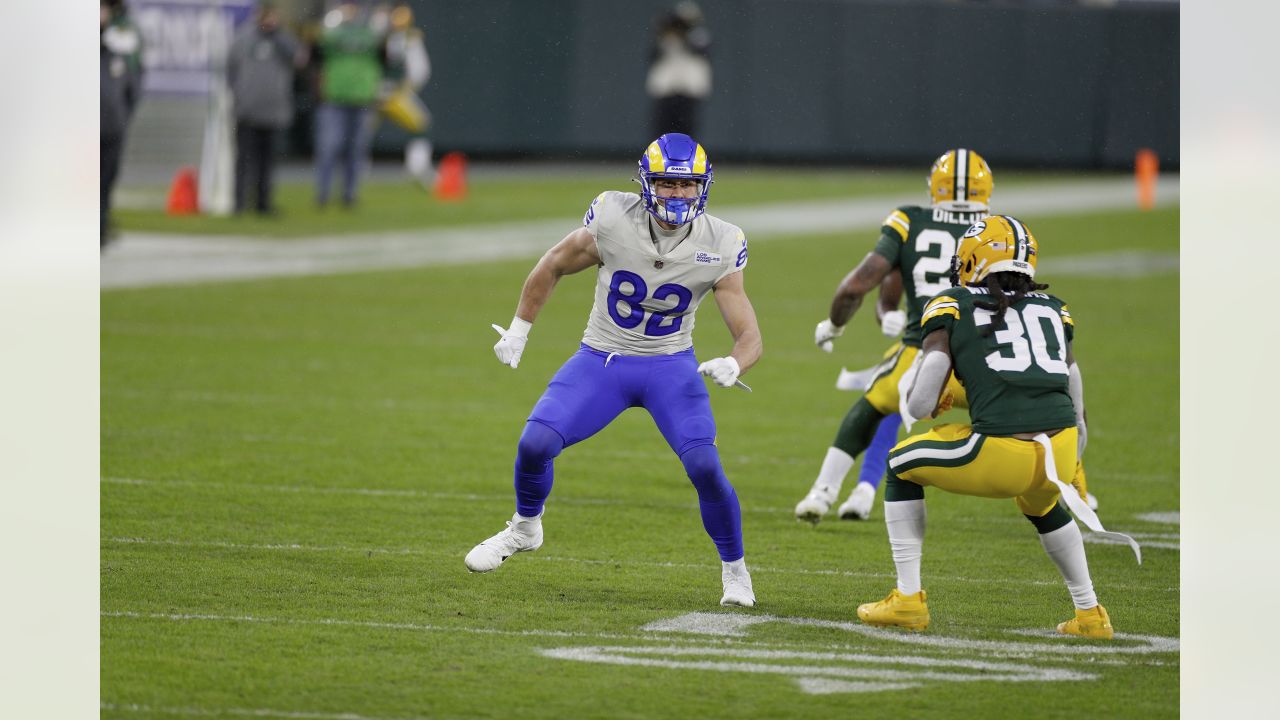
(351, 62)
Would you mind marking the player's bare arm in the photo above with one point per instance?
(740, 317)
(861, 280)
(575, 253)
(892, 320)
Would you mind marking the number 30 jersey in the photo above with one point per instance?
(920, 241)
(1015, 377)
(645, 301)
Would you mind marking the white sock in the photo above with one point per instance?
(737, 567)
(1066, 548)
(526, 524)
(905, 520)
(835, 466)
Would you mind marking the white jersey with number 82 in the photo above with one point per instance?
(644, 301)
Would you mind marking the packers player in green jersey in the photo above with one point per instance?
(1010, 347)
(917, 242)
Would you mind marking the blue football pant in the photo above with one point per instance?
(591, 389)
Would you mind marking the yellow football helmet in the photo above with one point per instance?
(961, 181)
(996, 243)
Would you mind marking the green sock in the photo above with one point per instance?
(858, 428)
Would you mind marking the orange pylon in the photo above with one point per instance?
(182, 194)
(1146, 166)
(451, 177)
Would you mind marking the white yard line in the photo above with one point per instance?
(142, 259)
(683, 629)
(546, 556)
(239, 712)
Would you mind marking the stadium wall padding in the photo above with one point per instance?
(814, 80)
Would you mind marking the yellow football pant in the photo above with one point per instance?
(954, 458)
(883, 393)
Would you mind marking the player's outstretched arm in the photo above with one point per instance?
(867, 275)
(576, 252)
(740, 317)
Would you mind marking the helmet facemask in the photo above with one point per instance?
(675, 156)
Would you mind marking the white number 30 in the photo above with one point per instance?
(1024, 336)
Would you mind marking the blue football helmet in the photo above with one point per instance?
(675, 155)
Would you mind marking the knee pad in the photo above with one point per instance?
(538, 445)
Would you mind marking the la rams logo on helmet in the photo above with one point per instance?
(975, 229)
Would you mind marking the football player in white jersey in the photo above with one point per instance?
(657, 255)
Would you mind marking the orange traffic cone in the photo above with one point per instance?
(451, 177)
(1146, 166)
(182, 194)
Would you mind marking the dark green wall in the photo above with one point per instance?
(814, 80)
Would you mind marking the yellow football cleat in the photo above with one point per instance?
(897, 610)
(1092, 623)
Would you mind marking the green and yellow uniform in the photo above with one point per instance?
(1015, 375)
(918, 241)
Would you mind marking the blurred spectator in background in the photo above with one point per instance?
(120, 61)
(260, 66)
(351, 62)
(408, 70)
(679, 70)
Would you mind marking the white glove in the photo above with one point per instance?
(893, 322)
(724, 371)
(825, 333)
(1082, 439)
(511, 346)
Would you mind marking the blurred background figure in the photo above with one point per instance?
(408, 68)
(120, 66)
(351, 64)
(260, 67)
(679, 70)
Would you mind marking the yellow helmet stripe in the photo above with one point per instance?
(699, 161)
(654, 155)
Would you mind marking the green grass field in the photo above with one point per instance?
(293, 470)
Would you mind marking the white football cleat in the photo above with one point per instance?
(521, 535)
(858, 506)
(816, 503)
(1091, 501)
(737, 587)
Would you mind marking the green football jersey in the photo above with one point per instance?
(920, 241)
(1016, 377)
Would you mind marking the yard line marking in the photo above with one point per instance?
(765, 570)
(146, 259)
(476, 497)
(654, 632)
(244, 712)
(891, 679)
(735, 625)
(1165, 518)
